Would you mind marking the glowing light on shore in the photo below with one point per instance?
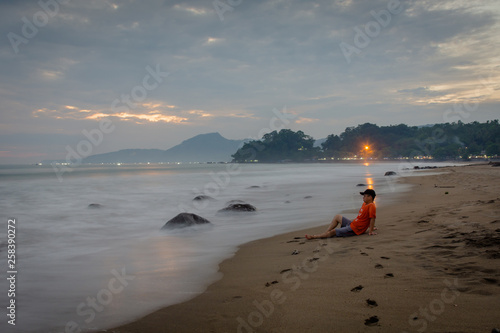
(369, 182)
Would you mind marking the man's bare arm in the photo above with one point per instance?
(372, 227)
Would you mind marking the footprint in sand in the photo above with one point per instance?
(357, 288)
(364, 254)
(268, 284)
(379, 266)
(372, 321)
(490, 280)
(371, 303)
(389, 275)
(386, 258)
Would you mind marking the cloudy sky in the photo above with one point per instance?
(151, 73)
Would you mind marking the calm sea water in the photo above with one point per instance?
(97, 268)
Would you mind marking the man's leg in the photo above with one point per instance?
(330, 232)
(335, 222)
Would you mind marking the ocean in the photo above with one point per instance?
(82, 268)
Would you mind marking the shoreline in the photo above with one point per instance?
(432, 266)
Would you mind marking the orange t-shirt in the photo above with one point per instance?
(362, 221)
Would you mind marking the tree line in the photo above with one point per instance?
(440, 141)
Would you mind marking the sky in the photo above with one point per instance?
(97, 76)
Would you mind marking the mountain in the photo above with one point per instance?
(211, 147)
(318, 142)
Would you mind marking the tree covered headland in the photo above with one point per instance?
(440, 141)
(285, 145)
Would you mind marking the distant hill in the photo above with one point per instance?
(128, 156)
(317, 143)
(211, 147)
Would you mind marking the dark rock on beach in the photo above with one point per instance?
(390, 173)
(239, 207)
(184, 220)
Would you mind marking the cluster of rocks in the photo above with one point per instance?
(424, 167)
(416, 167)
(189, 219)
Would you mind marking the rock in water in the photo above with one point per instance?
(390, 173)
(184, 220)
(239, 207)
(202, 197)
(95, 205)
(235, 201)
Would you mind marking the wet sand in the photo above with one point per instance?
(434, 266)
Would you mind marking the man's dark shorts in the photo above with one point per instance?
(345, 228)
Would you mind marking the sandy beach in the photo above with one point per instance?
(433, 267)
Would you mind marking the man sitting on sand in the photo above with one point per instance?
(365, 219)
